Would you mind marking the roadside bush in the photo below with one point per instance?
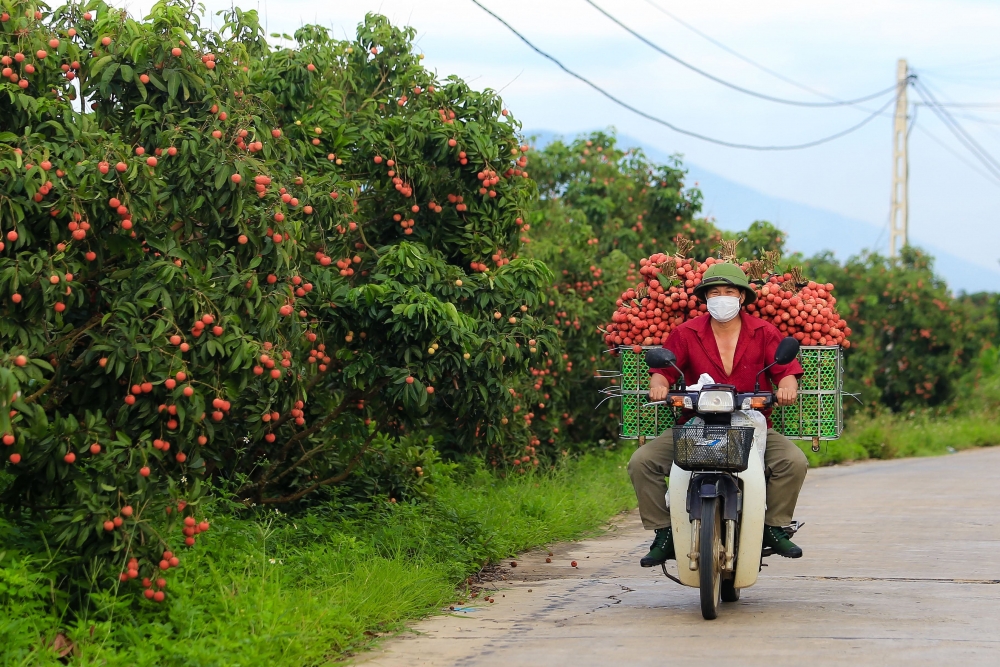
(912, 341)
(283, 269)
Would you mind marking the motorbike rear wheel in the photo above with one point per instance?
(710, 558)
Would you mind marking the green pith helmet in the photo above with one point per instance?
(725, 274)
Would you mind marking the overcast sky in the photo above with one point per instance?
(843, 48)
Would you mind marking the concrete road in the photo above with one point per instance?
(901, 567)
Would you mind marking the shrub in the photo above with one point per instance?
(206, 272)
(913, 340)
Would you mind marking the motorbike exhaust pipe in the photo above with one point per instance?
(730, 544)
(695, 544)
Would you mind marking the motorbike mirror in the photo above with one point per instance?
(788, 349)
(660, 357)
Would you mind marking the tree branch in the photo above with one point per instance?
(306, 456)
(41, 390)
(361, 228)
(336, 479)
(74, 335)
(262, 482)
(259, 485)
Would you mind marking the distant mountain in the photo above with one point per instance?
(810, 230)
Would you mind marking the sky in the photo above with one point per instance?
(844, 48)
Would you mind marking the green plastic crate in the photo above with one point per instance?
(817, 414)
(637, 421)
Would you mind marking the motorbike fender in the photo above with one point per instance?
(680, 522)
(751, 534)
(713, 485)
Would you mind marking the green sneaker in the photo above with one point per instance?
(776, 538)
(661, 550)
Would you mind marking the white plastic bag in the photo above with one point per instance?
(757, 420)
(702, 381)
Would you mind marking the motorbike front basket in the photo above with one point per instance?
(704, 447)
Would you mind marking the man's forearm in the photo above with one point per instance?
(788, 388)
(659, 386)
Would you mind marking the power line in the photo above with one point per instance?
(990, 176)
(739, 55)
(885, 227)
(728, 84)
(970, 73)
(966, 65)
(963, 105)
(968, 115)
(673, 127)
(976, 119)
(956, 129)
(806, 88)
(988, 83)
(945, 102)
(961, 158)
(990, 168)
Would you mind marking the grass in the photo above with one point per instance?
(271, 589)
(276, 590)
(892, 436)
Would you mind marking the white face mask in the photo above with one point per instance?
(723, 308)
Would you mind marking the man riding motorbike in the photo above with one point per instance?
(731, 347)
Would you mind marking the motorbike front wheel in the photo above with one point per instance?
(710, 557)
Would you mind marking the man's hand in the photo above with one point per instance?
(658, 387)
(788, 391)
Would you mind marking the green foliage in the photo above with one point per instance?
(912, 341)
(602, 209)
(207, 274)
(269, 588)
(760, 236)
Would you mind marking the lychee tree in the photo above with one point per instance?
(206, 272)
(603, 208)
(432, 235)
(913, 340)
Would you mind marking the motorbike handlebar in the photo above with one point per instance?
(759, 400)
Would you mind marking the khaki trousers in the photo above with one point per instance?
(784, 469)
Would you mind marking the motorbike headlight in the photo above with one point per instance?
(715, 401)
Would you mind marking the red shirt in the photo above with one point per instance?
(697, 352)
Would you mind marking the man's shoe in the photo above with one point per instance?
(776, 538)
(661, 550)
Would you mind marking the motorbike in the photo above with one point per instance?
(716, 491)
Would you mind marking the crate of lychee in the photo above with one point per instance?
(648, 312)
